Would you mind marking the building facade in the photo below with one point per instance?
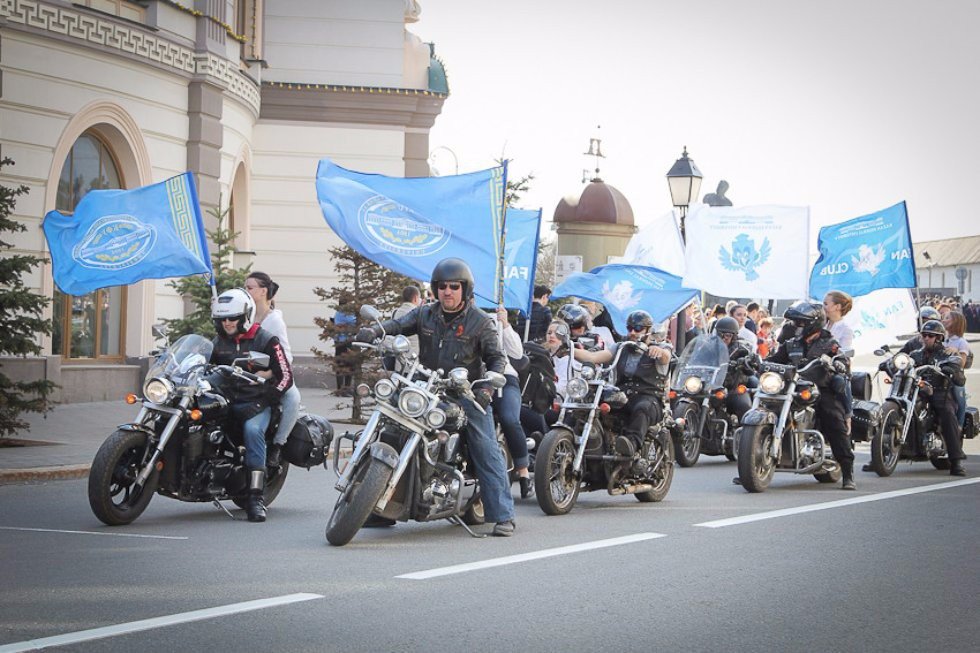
(949, 268)
(246, 94)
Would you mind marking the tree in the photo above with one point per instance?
(199, 290)
(360, 282)
(20, 322)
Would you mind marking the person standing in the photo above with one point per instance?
(345, 323)
(411, 299)
(540, 316)
(507, 403)
(741, 315)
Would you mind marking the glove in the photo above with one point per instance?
(483, 397)
(840, 366)
(365, 334)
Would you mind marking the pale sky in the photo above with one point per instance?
(845, 106)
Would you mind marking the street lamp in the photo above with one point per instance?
(684, 180)
(455, 159)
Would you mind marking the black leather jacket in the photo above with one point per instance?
(468, 339)
(797, 352)
(948, 363)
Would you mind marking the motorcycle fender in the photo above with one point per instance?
(383, 453)
(139, 428)
(758, 417)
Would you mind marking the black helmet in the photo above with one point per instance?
(935, 328)
(927, 313)
(574, 315)
(727, 325)
(808, 318)
(452, 269)
(639, 320)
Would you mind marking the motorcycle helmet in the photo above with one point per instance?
(808, 318)
(574, 316)
(934, 328)
(727, 325)
(453, 269)
(927, 313)
(234, 303)
(638, 321)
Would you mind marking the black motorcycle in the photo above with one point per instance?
(185, 444)
(578, 453)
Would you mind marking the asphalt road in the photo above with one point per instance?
(892, 568)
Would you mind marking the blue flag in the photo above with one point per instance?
(119, 237)
(522, 228)
(623, 289)
(865, 254)
(410, 224)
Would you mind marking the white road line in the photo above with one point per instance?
(158, 622)
(772, 514)
(535, 555)
(53, 530)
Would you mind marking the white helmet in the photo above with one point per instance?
(234, 303)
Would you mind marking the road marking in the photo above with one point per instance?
(157, 622)
(535, 555)
(53, 530)
(772, 514)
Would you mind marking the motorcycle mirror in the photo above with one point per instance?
(369, 312)
(497, 380)
(884, 348)
(879, 352)
(159, 331)
(258, 360)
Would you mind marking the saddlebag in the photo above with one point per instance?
(309, 441)
(865, 421)
(861, 386)
(971, 425)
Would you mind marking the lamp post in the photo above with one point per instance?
(684, 180)
(455, 158)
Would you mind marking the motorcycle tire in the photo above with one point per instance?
(755, 465)
(272, 488)
(358, 499)
(885, 447)
(687, 444)
(666, 477)
(113, 474)
(556, 485)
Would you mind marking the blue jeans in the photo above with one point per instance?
(498, 504)
(290, 411)
(508, 409)
(254, 431)
(960, 393)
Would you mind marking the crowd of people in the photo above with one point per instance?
(970, 310)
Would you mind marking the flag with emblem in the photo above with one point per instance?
(119, 237)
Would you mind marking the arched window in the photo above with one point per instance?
(88, 326)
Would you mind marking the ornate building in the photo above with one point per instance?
(596, 225)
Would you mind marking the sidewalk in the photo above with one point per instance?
(71, 434)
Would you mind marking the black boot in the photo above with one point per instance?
(527, 486)
(847, 474)
(625, 446)
(956, 468)
(255, 508)
(274, 456)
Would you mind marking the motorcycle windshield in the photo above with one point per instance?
(183, 362)
(705, 357)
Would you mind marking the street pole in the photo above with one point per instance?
(682, 316)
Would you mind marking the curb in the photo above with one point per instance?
(56, 473)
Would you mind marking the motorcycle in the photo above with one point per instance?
(184, 443)
(410, 461)
(698, 398)
(909, 390)
(777, 434)
(578, 451)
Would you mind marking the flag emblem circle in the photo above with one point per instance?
(398, 229)
(114, 242)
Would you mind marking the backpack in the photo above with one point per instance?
(538, 378)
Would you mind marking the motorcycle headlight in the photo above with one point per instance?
(412, 402)
(588, 372)
(771, 383)
(693, 385)
(383, 389)
(158, 391)
(902, 361)
(577, 388)
(436, 418)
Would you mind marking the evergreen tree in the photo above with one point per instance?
(199, 290)
(360, 282)
(20, 322)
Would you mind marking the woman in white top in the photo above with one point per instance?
(955, 323)
(507, 403)
(836, 305)
(263, 290)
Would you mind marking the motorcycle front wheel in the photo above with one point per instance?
(886, 447)
(555, 483)
(756, 465)
(687, 443)
(112, 491)
(358, 499)
(665, 473)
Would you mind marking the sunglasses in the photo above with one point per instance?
(452, 285)
(230, 319)
(636, 329)
(929, 335)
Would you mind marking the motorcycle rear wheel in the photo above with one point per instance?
(885, 446)
(687, 444)
(755, 464)
(112, 477)
(665, 478)
(272, 488)
(358, 499)
(555, 483)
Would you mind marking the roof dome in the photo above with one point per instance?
(599, 202)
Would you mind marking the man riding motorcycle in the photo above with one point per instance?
(579, 321)
(740, 370)
(233, 312)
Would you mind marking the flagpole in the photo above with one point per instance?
(503, 239)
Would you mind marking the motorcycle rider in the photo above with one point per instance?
(454, 333)
(926, 313)
(641, 375)
(740, 370)
(943, 400)
(810, 340)
(233, 313)
(579, 321)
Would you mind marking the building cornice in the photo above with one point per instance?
(328, 103)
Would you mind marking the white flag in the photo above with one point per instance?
(657, 245)
(751, 251)
(880, 317)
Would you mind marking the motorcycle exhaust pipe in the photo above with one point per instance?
(631, 489)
